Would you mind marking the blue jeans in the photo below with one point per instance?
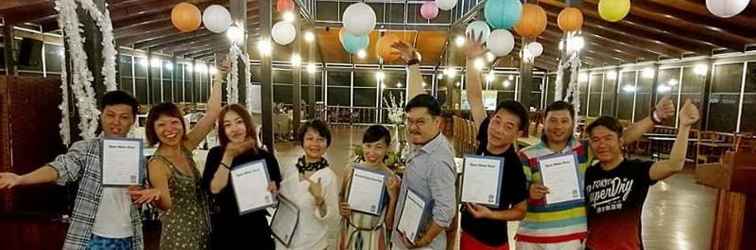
(102, 243)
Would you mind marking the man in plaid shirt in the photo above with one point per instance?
(103, 217)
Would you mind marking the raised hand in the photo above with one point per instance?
(9, 180)
(474, 45)
(689, 114)
(406, 51)
(234, 149)
(665, 108)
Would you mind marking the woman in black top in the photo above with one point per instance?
(238, 140)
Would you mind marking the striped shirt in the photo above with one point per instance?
(82, 163)
(558, 222)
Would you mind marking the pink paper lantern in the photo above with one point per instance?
(429, 10)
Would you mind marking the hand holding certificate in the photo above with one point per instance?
(122, 162)
(481, 180)
(285, 221)
(251, 182)
(559, 173)
(414, 213)
(367, 191)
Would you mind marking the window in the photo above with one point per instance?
(610, 95)
(724, 99)
(626, 95)
(643, 96)
(594, 94)
(54, 58)
(582, 90)
(747, 120)
(668, 85)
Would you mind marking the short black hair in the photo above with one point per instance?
(515, 108)
(117, 97)
(608, 122)
(424, 101)
(375, 133)
(317, 125)
(561, 105)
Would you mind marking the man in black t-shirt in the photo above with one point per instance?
(484, 227)
(616, 188)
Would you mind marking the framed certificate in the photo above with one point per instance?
(481, 180)
(414, 213)
(250, 182)
(367, 191)
(122, 162)
(560, 174)
(285, 220)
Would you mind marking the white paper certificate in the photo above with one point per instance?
(412, 215)
(285, 221)
(367, 191)
(250, 182)
(481, 180)
(122, 162)
(560, 175)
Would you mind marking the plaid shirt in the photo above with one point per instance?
(82, 163)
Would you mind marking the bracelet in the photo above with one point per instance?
(655, 118)
(225, 166)
(413, 61)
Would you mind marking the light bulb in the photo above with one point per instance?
(155, 62)
(213, 70)
(700, 69)
(628, 88)
(506, 83)
(459, 40)
(288, 16)
(583, 77)
(490, 77)
(296, 60)
(309, 36)
(235, 34)
(663, 88)
(311, 68)
(648, 73)
(361, 54)
(380, 75)
(264, 47)
(672, 82)
(479, 64)
(611, 75)
(490, 56)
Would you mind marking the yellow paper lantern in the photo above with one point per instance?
(570, 19)
(186, 17)
(613, 10)
(533, 21)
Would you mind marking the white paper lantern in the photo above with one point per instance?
(283, 32)
(535, 49)
(359, 19)
(501, 42)
(478, 27)
(216, 18)
(446, 4)
(726, 8)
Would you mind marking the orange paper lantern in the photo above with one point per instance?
(384, 50)
(285, 5)
(570, 19)
(186, 17)
(533, 21)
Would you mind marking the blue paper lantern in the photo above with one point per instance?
(502, 14)
(352, 43)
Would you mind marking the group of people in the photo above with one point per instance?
(199, 210)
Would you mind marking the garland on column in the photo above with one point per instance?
(232, 88)
(81, 76)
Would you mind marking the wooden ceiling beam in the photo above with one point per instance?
(590, 45)
(742, 25)
(27, 11)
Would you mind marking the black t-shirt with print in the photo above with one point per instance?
(615, 200)
(513, 190)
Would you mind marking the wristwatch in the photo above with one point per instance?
(655, 118)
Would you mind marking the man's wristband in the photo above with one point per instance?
(655, 118)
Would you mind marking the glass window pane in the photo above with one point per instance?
(643, 98)
(610, 95)
(723, 112)
(364, 97)
(283, 77)
(140, 69)
(53, 58)
(551, 80)
(338, 96)
(364, 78)
(504, 96)
(339, 78)
(394, 78)
(141, 91)
(625, 105)
(32, 59)
(583, 91)
(727, 78)
(283, 94)
(668, 86)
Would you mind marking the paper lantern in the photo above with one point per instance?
(478, 27)
(283, 32)
(535, 49)
(352, 43)
(186, 17)
(570, 19)
(533, 21)
(359, 19)
(429, 10)
(285, 5)
(501, 42)
(502, 14)
(216, 18)
(613, 10)
(384, 50)
(726, 8)
(446, 4)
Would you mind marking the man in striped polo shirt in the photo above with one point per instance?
(564, 225)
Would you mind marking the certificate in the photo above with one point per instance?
(367, 191)
(285, 221)
(481, 180)
(122, 162)
(414, 213)
(559, 173)
(250, 182)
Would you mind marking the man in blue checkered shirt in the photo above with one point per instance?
(103, 217)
